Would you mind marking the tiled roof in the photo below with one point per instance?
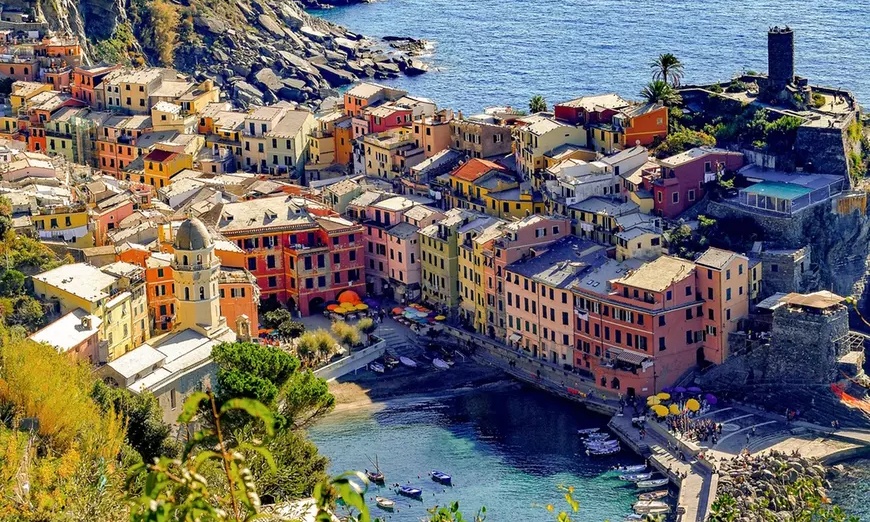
(476, 168)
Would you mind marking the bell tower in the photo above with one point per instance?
(196, 270)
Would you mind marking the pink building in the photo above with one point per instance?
(539, 299)
(678, 182)
(723, 280)
(521, 239)
(76, 334)
(107, 214)
(386, 117)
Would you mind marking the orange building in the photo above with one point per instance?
(161, 165)
(432, 133)
(641, 124)
(86, 79)
(19, 69)
(343, 135)
(116, 142)
(239, 296)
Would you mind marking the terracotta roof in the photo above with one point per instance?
(160, 155)
(475, 168)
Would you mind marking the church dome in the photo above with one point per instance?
(192, 235)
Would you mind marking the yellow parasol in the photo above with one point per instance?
(440, 317)
(674, 409)
(361, 306)
(660, 410)
(340, 310)
(664, 396)
(693, 405)
(653, 400)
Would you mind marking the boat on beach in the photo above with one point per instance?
(588, 431)
(440, 364)
(637, 477)
(409, 491)
(651, 507)
(654, 483)
(441, 478)
(407, 361)
(385, 503)
(653, 495)
(639, 468)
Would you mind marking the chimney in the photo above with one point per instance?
(86, 322)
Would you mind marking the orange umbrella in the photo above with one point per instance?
(349, 296)
(332, 307)
(398, 310)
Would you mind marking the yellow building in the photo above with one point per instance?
(195, 100)
(638, 243)
(389, 153)
(475, 241)
(66, 223)
(439, 254)
(275, 139)
(119, 302)
(541, 135)
(514, 203)
(130, 90)
(161, 165)
(22, 92)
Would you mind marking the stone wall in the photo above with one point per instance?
(783, 270)
(803, 348)
(825, 148)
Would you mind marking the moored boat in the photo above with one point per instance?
(653, 495)
(588, 431)
(385, 503)
(409, 491)
(639, 468)
(376, 367)
(651, 507)
(375, 476)
(598, 436)
(654, 483)
(440, 364)
(599, 452)
(441, 478)
(636, 477)
(407, 361)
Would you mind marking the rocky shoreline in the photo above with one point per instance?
(773, 486)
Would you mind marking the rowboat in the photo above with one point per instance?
(631, 469)
(441, 477)
(603, 451)
(587, 431)
(651, 507)
(637, 477)
(653, 495)
(440, 364)
(375, 476)
(407, 361)
(409, 491)
(598, 436)
(376, 367)
(602, 447)
(655, 483)
(385, 503)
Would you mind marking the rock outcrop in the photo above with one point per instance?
(258, 50)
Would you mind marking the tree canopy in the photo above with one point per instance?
(537, 104)
(250, 370)
(667, 68)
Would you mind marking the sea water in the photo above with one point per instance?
(509, 451)
(501, 52)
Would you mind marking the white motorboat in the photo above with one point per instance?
(651, 507)
(598, 436)
(637, 477)
(385, 503)
(588, 431)
(440, 364)
(639, 468)
(376, 367)
(407, 361)
(654, 483)
(653, 495)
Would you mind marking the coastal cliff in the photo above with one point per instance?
(260, 51)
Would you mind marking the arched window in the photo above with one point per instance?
(186, 293)
(184, 260)
(25, 70)
(202, 293)
(198, 259)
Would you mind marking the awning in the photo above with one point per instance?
(627, 356)
(514, 338)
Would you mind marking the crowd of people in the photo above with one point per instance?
(701, 430)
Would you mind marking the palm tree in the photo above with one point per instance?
(667, 68)
(659, 91)
(537, 104)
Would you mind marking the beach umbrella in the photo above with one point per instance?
(679, 389)
(361, 306)
(397, 310)
(674, 409)
(653, 400)
(660, 410)
(440, 317)
(340, 310)
(694, 389)
(693, 405)
(664, 396)
(711, 399)
(349, 296)
(667, 389)
(332, 307)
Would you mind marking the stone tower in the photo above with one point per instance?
(196, 270)
(780, 57)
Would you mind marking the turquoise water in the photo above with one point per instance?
(507, 450)
(493, 52)
(853, 492)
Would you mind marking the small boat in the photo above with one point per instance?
(375, 476)
(637, 477)
(653, 495)
(651, 507)
(407, 361)
(385, 503)
(634, 517)
(440, 364)
(654, 483)
(631, 469)
(602, 452)
(587, 431)
(441, 478)
(603, 446)
(598, 436)
(390, 361)
(376, 367)
(408, 491)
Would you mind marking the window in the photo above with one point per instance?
(691, 195)
(273, 281)
(727, 275)
(321, 281)
(688, 313)
(727, 314)
(710, 314)
(252, 263)
(675, 197)
(669, 295)
(201, 293)
(270, 261)
(709, 293)
(662, 344)
(688, 290)
(689, 337)
(728, 294)
(661, 320)
(774, 267)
